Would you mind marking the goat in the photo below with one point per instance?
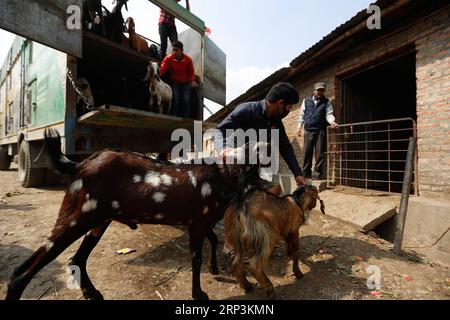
(253, 228)
(115, 22)
(160, 92)
(93, 14)
(132, 189)
(85, 89)
(136, 42)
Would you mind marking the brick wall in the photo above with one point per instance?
(430, 37)
(433, 112)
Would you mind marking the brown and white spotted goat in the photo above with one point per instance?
(132, 189)
(253, 228)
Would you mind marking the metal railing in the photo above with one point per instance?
(371, 155)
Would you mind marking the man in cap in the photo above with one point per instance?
(316, 113)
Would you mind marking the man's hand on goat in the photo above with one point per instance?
(194, 84)
(300, 132)
(301, 180)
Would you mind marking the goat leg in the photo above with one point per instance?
(80, 259)
(263, 281)
(293, 248)
(158, 103)
(42, 256)
(239, 273)
(196, 238)
(212, 263)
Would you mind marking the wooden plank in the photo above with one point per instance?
(130, 118)
(43, 21)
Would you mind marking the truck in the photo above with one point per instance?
(40, 88)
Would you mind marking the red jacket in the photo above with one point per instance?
(182, 71)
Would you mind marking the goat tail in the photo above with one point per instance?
(250, 237)
(52, 146)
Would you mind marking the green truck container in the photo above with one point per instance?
(36, 91)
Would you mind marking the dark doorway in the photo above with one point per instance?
(383, 91)
(372, 150)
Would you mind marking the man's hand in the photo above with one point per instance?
(334, 125)
(301, 180)
(300, 132)
(226, 152)
(194, 84)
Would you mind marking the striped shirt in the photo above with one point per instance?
(166, 18)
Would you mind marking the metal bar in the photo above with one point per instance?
(372, 180)
(362, 132)
(376, 160)
(374, 141)
(361, 151)
(374, 170)
(389, 156)
(416, 163)
(328, 158)
(366, 155)
(375, 122)
(405, 196)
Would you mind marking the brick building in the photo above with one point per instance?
(399, 71)
(411, 51)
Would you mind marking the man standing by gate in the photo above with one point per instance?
(315, 114)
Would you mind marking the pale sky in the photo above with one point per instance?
(258, 36)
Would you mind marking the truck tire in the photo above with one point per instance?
(28, 176)
(5, 159)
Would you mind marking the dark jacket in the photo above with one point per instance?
(253, 115)
(315, 116)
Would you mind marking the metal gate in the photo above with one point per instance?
(370, 155)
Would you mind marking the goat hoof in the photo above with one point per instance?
(248, 287)
(270, 294)
(298, 274)
(200, 296)
(93, 295)
(214, 270)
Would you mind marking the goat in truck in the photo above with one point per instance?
(160, 92)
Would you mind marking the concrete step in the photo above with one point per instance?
(365, 209)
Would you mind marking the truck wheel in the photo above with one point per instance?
(5, 160)
(28, 176)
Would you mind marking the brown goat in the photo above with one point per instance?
(253, 229)
(136, 41)
(132, 189)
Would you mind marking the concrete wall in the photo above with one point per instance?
(431, 38)
(427, 221)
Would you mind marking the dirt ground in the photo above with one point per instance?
(334, 258)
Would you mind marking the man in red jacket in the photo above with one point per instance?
(182, 76)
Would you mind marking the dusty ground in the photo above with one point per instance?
(334, 258)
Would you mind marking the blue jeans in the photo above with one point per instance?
(181, 99)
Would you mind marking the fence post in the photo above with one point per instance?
(405, 196)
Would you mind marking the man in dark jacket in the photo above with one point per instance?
(265, 114)
(316, 113)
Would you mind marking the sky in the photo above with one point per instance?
(258, 36)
